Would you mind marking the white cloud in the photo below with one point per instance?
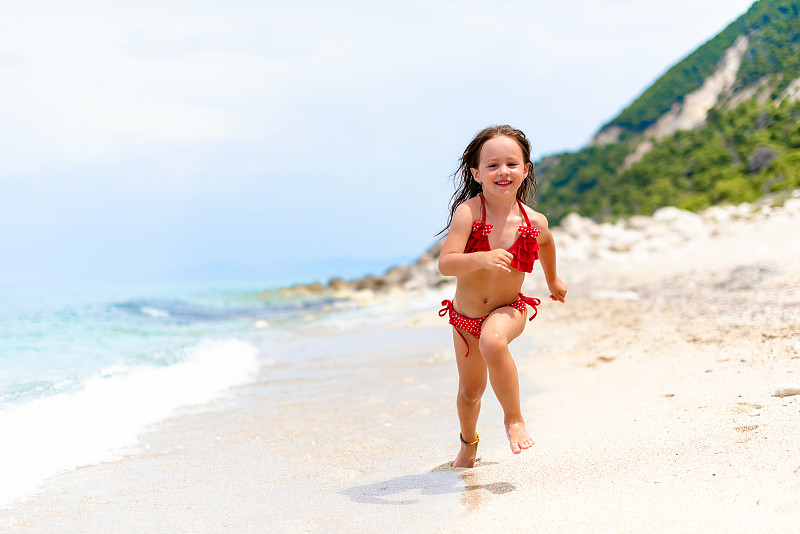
(200, 102)
(93, 79)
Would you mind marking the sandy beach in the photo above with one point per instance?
(659, 413)
(651, 394)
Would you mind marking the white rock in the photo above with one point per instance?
(653, 244)
(639, 222)
(563, 239)
(600, 252)
(668, 214)
(592, 230)
(574, 224)
(608, 233)
(681, 221)
(576, 252)
(717, 214)
(765, 211)
(745, 209)
(787, 390)
(657, 230)
(792, 206)
(625, 241)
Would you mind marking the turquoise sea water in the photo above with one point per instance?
(83, 370)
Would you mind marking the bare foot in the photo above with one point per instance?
(518, 437)
(466, 455)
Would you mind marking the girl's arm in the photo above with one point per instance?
(547, 257)
(453, 261)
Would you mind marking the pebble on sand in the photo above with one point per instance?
(786, 390)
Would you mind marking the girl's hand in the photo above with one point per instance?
(497, 259)
(558, 289)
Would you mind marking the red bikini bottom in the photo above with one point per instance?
(474, 325)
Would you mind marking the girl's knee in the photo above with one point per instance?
(492, 344)
(471, 394)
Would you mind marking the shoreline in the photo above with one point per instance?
(650, 393)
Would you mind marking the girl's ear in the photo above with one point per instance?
(527, 169)
(474, 173)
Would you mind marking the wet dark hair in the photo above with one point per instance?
(467, 187)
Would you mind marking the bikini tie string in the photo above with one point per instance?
(532, 302)
(448, 305)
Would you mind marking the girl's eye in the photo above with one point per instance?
(492, 165)
(512, 164)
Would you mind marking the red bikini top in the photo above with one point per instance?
(525, 249)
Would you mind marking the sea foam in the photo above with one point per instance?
(56, 434)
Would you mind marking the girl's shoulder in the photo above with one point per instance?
(464, 216)
(537, 219)
(469, 208)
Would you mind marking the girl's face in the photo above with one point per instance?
(501, 168)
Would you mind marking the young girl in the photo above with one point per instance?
(493, 240)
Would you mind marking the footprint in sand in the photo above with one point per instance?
(747, 430)
(745, 407)
(750, 409)
(601, 359)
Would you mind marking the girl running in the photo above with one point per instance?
(493, 240)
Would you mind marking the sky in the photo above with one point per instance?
(290, 141)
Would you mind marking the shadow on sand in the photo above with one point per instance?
(440, 480)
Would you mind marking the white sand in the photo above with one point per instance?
(650, 394)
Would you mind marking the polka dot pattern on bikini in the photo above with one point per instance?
(481, 229)
(474, 325)
(468, 324)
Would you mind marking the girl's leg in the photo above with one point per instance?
(471, 385)
(500, 328)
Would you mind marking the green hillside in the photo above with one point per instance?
(738, 155)
(773, 27)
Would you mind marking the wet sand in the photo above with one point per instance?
(650, 394)
(344, 436)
